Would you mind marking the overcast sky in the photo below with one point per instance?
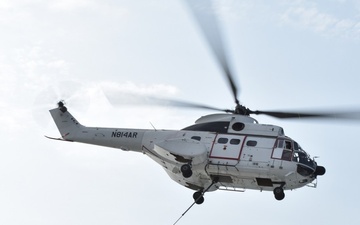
(285, 54)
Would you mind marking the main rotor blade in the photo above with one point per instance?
(177, 103)
(204, 13)
(119, 99)
(351, 115)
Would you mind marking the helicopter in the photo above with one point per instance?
(219, 152)
(224, 151)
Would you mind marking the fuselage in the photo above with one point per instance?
(238, 151)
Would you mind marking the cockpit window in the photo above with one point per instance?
(283, 150)
(296, 146)
(286, 155)
(295, 157)
(306, 165)
(279, 143)
(288, 145)
(286, 149)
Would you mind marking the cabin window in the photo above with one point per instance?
(251, 143)
(238, 126)
(222, 140)
(235, 141)
(198, 138)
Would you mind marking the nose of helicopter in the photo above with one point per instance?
(319, 171)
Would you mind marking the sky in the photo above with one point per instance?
(286, 55)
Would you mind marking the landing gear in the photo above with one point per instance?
(198, 197)
(279, 193)
(186, 170)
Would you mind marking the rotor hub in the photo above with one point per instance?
(241, 110)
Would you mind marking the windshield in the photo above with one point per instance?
(306, 164)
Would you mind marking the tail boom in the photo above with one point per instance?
(71, 130)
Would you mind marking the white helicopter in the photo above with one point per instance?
(225, 151)
(219, 152)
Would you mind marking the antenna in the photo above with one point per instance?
(153, 126)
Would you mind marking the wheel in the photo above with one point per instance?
(198, 197)
(279, 193)
(187, 174)
(278, 190)
(280, 196)
(186, 170)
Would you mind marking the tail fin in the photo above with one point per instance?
(68, 126)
